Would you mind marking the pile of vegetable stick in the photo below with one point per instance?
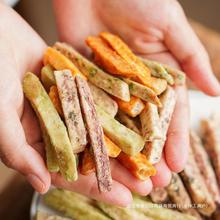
(117, 106)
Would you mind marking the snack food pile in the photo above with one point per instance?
(118, 106)
(192, 194)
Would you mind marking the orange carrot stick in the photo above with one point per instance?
(112, 149)
(54, 96)
(88, 164)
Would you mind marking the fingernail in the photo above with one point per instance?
(36, 183)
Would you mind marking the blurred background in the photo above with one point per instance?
(204, 16)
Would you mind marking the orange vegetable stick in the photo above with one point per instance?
(133, 108)
(138, 165)
(114, 63)
(112, 149)
(88, 164)
(54, 96)
(59, 61)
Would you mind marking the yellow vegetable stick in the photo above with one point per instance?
(133, 108)
(158, 85)
(47, 77)
(112, 149)
(54, 96)
(59, 61)
(138, 165)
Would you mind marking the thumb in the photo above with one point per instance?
(17, 154)
(183, 43)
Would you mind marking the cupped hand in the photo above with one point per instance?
(156, 29)
(21, 146)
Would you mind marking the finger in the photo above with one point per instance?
(17, 154)
(163, 175)
(122, 175)
(186, 47)
(87, 185)
(177, 144)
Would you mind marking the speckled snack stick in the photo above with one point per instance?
(96, 136)
(71, 108)
(112, 85)
(53, 124)
(159, 195)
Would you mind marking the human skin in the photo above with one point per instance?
(21, 50)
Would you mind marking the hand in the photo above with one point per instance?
(21, 147)
(156, 29)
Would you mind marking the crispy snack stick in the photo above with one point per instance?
(116, 64)
(133, 108)
(205, 166)
(45, 216)
(98, 77)
(54, 96)
(55, 128)
(102, 99)
(137, 165)
(96, 136)
(119, 213)
(159, 195)
(150, 123)
(158, 85)
(130, 142)
(51, 157)
(128, 121)
(112, 149)
(73, 205)
(157, 70)
(88, 163)
(47, 77)
(157, 212)
(59, 62)
(71, 108)
(143, 92)
(179, 196)
(178, 76)
(195, 184)
(211, 140)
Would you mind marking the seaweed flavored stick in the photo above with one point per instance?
(96, 136)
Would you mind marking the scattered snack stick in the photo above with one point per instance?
(51, 157)
(137, 165)
(54, 126)
(45, 216)
(158, 212)
(158, 85)
(150, 123)
(54, 96)
(196, 186)
(73, 205)
(120, 213)
(96, 136)
(112, 149)
(157, 70)
(159, 195)
(178, 75)
(71, 108)
(128, 121)
(143, 92)
(211, 140)
(112, 85)
(133, 108)
(205, 166)
(130, 142)
(179, 196)
(88, 163)
(59, 62)
(102, 99)
(47, 76)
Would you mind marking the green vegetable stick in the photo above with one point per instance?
(158, 70)
(129, 141)
(157, 212)
(119, 213)
(143, 92)
(73, 205)
(53, 124)
(98, 77)
(47, 77)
